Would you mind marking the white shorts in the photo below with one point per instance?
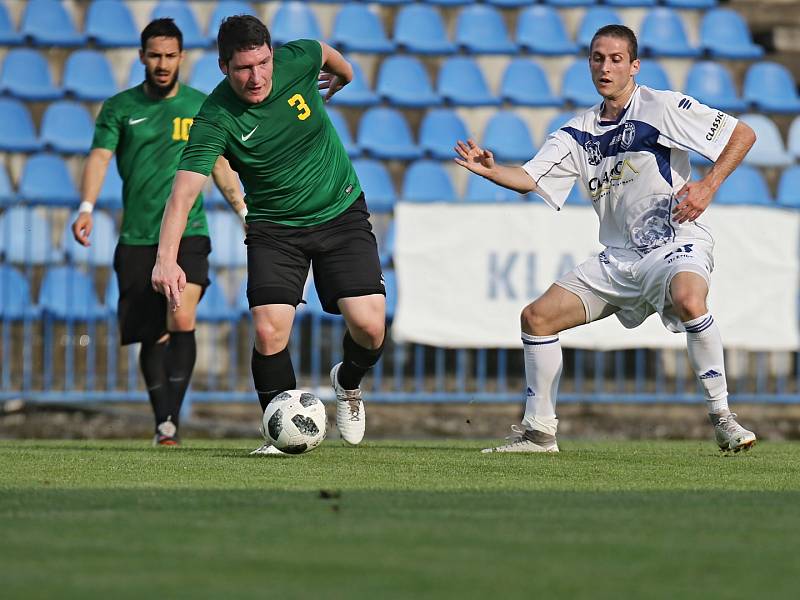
(635, 283)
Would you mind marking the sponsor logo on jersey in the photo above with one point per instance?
(247, 137)
(136, 121)
(685, 103)
(622, 173)
(593, 154)
(716, 126)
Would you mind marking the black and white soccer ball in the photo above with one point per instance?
(295, 421)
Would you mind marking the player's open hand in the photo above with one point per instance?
(474, 158)
(332, 83)
(82, 227)
(170, 280)
(693, 199)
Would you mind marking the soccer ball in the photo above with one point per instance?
(295, 421)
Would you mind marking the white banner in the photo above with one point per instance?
(464, 273)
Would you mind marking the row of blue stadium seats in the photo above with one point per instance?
(479, 28)
(403, 80)
(68, 294)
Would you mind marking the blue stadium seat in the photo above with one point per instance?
(17, 133)
(652, 74)
(631, 3)
(593, 19)
(508, 137)
(103, 241)
(711, 84)
(227, 239)
(223, 9)
(110, 24)
(205, 73)
(524, 83)
(390, 283)
(110, 196)
(480, 29)
(577, 86)
(26, 75)
(46, 180)
(136, 73)
(294, 21)
(357, 28)
(111, 293)
(770, 87)
(7, 194)
(428, 181)
(419, 28)
(384, 133)
(768, 151)
(439, 131)
(88, 76)
(67, 127)
(47, 23)
(793, 143)
(697, 4)
(403, 81)
(240, 303)
(214, 306)
(376, 184)
(480, 189)
(746, 185)
(508, 3)
(357, 92)
(570, 3)
(540, 30)
(67, 294)
(16, 302)
(724, 34)
(34, 245)
(663, 34)
(185, 19)
(450, 2)
(559, 120)
(386, 245)
(789, 187)
(340, 124)
(461, 83)
(386, 2)
(9, 36)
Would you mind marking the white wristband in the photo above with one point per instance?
(86, 207)
(243, 214)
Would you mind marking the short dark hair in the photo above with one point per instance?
(621, 32)
(162, 28)
(241, 32)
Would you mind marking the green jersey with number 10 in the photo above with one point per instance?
(294, 168)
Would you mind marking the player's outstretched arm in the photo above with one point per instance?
(481, 162)
(94, 171)
(695, 196)
(336, 72)
(168, 278)
(228, 183)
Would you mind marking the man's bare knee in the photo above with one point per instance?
(535, 322)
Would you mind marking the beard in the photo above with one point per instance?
(162, 91)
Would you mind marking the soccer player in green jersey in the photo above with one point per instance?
(304, 201)
(147, 127)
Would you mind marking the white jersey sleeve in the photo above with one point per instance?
(554, 169)
(687, 124)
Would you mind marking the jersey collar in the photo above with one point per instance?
(616, 121)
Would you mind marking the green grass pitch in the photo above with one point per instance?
(398, 520)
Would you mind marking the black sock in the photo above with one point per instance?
(272, 374)
(357, 361)
(181, 355)
(151, 361)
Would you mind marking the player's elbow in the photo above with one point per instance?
(746, 134)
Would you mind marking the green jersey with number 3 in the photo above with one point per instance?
(294, 168)
(148, 136)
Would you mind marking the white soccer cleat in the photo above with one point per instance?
(351, 418)
(526, 440)
(730, 435)
(267, 449)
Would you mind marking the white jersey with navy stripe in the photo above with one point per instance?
(633, 167)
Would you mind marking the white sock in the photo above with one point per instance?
(543, 364)
(704, 344)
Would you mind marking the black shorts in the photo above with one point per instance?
(142, 312)
(342, 252)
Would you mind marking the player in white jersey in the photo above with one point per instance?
(631, 152)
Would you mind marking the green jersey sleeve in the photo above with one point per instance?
(206, 143)
(107, 127)
(308, 52)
